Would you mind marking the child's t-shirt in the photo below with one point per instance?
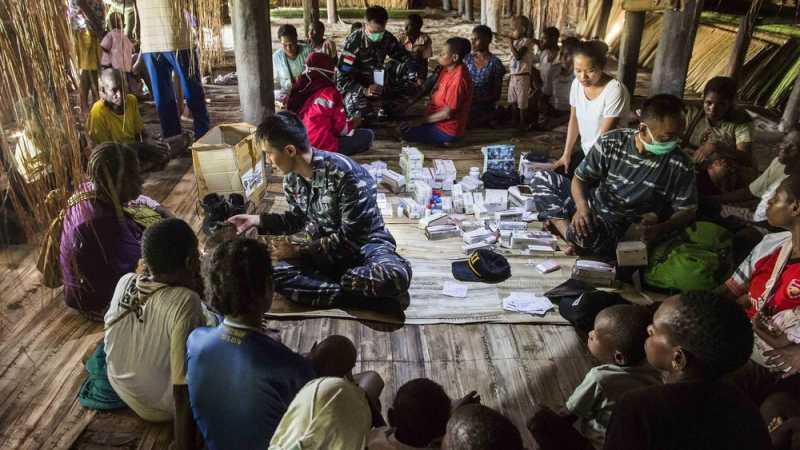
(612, 102)
(594, 399)
(561, 82)
(118, 51)
(104, 125)
(548, 67)
(454, 90)
(753, 273)
(522, 65)
(383, 438)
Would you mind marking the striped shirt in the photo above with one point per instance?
(630, 184)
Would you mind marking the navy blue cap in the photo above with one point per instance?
(482, 265)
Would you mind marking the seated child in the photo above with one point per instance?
(617, 341)
(417, 42)
(478, 427)
(448, 111)
(147, 324)
(335, 356)
(115, 118)
(317, 41)
(519, 85)
(562, 76)
(417, 418)
(695, 339)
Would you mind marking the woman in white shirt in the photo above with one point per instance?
(598, 102)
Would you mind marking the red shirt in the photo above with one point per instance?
(454, 90)
(324, 118)
(786, 293)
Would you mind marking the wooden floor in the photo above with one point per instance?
(43, 343)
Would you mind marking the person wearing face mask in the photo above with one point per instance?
(375, 71)
(628, 175)
(315, 99)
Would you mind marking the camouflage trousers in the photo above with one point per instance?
(378, 273)
(552, 197)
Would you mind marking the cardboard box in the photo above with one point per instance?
(498, 158)
(595, 273)
(435, 220)
(227, 160)
(439, 232)
(477, 235)
(521, 197)
(393, 180)
(411, 208)
(496, 200)
(631, 253)
(508, 215)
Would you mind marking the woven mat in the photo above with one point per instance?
(431, 263)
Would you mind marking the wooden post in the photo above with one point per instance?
(675, 49)
(743, 36)
(494, 11)
(484, 4)
(605, 13)
(792, 111)
(461, 7)
(446, 5)
(508, 6)
(253, 53)
(629, 49)
(310, 14)
(468, 14)
(333, 14)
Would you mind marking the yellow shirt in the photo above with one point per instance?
(104, 125)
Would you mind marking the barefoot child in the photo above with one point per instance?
(519, 86)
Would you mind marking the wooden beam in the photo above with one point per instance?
(743, 36)
(253, 53)
(333, 13)
(605, 13)
(675, 49)
(792, 111)
(494, 12)
(629, 49)
(468, 14)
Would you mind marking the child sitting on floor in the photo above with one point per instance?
(519, 86)
(448, 111)
(617, 341)
(417, 418)
(335, 356)
(478, 427)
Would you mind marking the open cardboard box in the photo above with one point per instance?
(227, 160)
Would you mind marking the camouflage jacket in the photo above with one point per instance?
(359, 57)
(337, 208)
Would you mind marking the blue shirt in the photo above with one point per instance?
(487, 81)
(240, 384)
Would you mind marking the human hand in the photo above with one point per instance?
(704, 152)
(472, 398)
(774, 337)
(374, 90)
(244, 222)
(786, 359)
(564, 162)
(283, 250)
(582, 221)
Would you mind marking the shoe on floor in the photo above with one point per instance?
(216, 212)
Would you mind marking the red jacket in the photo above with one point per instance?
(324, 118)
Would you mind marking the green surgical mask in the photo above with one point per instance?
(375, 37)
(659, 148)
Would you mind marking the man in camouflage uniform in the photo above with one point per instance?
(346, 254)
(365, 51)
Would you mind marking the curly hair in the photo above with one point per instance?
(167, 244)
(478, 427)
(238, 277)
(629, 330)
(420, 412)
(111, 165)
(715, 331)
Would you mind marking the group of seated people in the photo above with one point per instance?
(662, 175)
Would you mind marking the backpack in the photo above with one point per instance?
(699, 258)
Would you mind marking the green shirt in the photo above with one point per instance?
(729, 133)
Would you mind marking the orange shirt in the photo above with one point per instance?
(454, 90)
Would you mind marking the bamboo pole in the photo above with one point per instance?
(333, 14)
(675, 49)
(494, 10)
(468, 14)
(253, 52)
(629, 49)
(743, 37)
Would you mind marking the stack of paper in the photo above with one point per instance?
(453, 289)
(528, 303)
